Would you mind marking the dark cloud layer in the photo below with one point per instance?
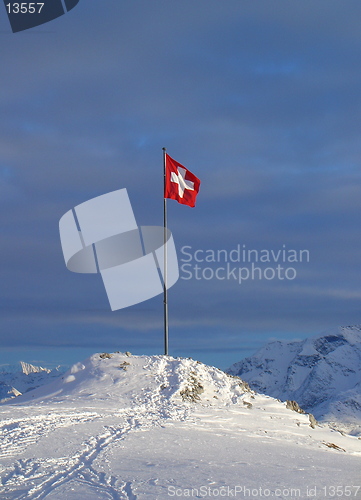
(260, 100)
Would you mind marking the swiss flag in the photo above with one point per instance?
(180, 183)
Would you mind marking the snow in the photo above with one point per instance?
(22, 367)
(323, 374)
(308, 349)
(22, 377)
(156, 427)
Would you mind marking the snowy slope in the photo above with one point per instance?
(22, 377)
(323, 374)
(155, 427)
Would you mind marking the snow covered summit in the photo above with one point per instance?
(126, 380)
(323, 374)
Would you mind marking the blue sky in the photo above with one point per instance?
(261, 100)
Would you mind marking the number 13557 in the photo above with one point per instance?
(24, 8)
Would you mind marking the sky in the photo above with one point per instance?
(260, 100)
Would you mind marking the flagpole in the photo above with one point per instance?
(165, 293)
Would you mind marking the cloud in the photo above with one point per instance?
(259, 101)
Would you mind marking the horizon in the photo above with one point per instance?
(53, 358)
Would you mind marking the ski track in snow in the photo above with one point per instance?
(66, 469)
(17, 434)
(40, 477)
(50, 474)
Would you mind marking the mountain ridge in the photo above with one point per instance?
(321, 373)
(21, 377)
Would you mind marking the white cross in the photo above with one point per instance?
(181, 181)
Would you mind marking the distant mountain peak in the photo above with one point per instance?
(21, 377)
(28, 368)
(23, 367)
(322, 373)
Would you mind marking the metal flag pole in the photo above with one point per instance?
(165, 294)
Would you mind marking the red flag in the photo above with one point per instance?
(180, 183)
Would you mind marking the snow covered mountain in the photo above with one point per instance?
(125, 427)
(22, 367)
(323, 374)
(22, 377)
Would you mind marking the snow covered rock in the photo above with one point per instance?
(323, 374)
(7, 391)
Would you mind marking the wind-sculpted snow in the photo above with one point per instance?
(323, 374)
(141, 427)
